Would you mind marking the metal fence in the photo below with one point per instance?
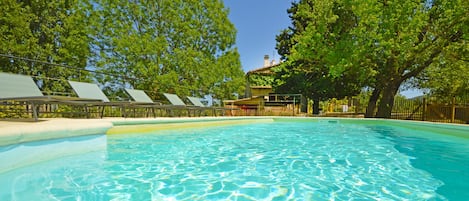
(432, 109)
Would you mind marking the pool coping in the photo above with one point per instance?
(21, 132)
(14, 132)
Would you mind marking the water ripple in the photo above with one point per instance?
(314, 161)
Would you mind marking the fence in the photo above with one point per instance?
(431, 109)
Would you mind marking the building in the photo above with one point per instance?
(260, 98)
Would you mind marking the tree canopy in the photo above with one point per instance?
(374, 44)
(48, 31)
(316, 49)
(183, 47)
(446, 80)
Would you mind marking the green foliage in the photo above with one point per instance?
(446, 82)
(378, 44)
(407, 37)
(318, 60)
(261, 80)
(448, 76)
(12, 110)
(50, 31)
(182, 47)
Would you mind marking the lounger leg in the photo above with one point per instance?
(102, 112)
(87, 112)
(124, 112)
(169, 113)
(35, 115)
(153, 112)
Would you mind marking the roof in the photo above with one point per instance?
(263, 71)
(261, 87)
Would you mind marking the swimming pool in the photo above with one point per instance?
(326, 159)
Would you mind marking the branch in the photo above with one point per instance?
(424, 65)
(417, 52)
(452, 38)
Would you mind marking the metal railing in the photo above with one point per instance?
(431, 109)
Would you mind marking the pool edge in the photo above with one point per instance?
(150, 126)
(17, 133)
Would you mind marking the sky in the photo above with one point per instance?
(257, 23)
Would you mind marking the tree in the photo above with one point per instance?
(446, 80)
(316, 50)
(381, 43)
(52, 32)
(403, 38)
(447, 77)
(183, 47)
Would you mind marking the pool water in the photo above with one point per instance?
(323, 160)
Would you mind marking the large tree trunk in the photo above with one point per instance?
(387, 100)
(315, 105)
(370, 109)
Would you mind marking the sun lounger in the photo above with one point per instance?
(142, 100)
(88, 90)
(196, 101)
(22, 88)
(179, 104)
(174, 99)
(140, 96)
(92, 91)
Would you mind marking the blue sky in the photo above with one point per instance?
(257, 23)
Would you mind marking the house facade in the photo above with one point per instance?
(260, 97)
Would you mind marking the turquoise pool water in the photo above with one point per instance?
(322, 160)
